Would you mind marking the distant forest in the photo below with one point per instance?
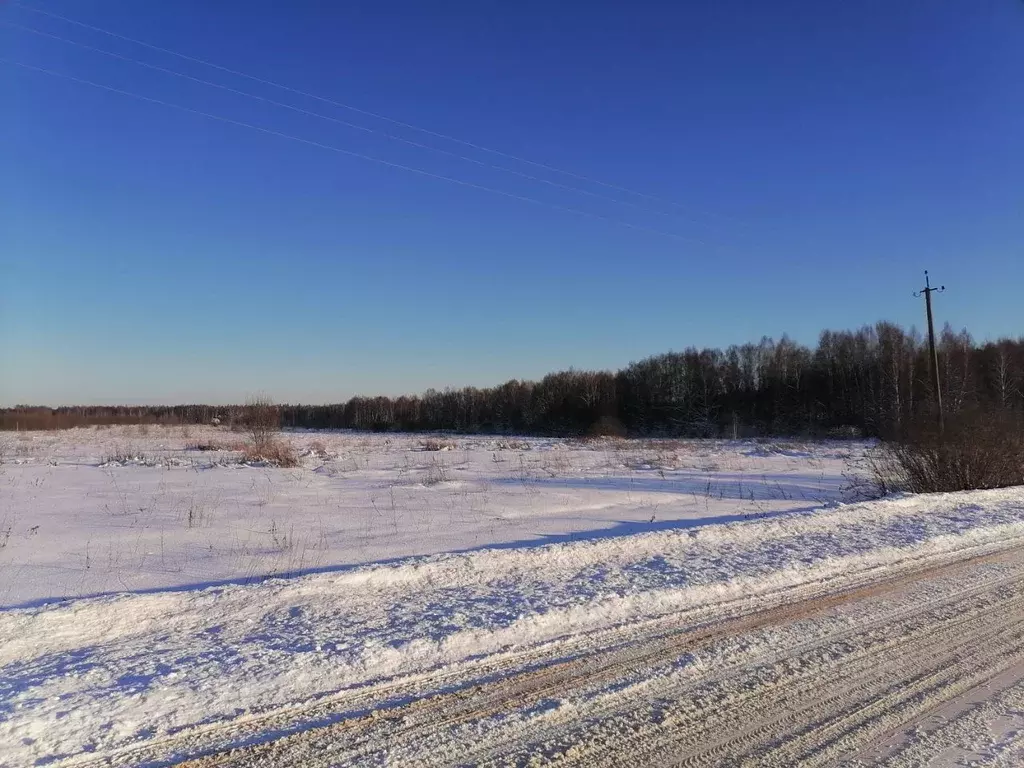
(865, 382)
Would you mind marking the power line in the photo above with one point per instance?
(340, 121)
(351, 153)
(378, 116)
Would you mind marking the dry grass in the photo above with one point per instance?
(437, 472)
(215, 445)
(273, 452)
(644, 461)
(435, 444)
(664, 444)
(591, 442)
(556, 463)
(125, 454)
(513, 445)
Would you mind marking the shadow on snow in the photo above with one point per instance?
(618, 529)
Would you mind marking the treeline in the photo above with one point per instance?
(870, 381)
(33, 417)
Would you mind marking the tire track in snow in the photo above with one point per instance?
(372, 739)
(742, 714)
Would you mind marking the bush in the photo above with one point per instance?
(976, 451)
(262, 420)
(272, 452)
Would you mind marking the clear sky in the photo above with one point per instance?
(803, 162)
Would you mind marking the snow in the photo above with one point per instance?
(392, 576)
(990, 733)
(75, 524)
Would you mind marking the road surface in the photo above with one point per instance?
(922, 666)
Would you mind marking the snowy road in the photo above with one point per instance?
(826, 677)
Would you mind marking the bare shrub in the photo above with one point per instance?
(272, 452)
(976, 451)
(860, 487)
(434, 444)
(262, 420)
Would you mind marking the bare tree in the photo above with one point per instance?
(262, 421)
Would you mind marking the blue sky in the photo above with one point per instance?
(805, 161)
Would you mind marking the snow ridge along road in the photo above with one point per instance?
(796, 639)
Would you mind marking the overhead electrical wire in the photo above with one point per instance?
(378, 116)
(340, 121)
(351, 153)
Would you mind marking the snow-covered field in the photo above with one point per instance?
(409, 573)
(73, 523)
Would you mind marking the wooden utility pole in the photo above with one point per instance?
(933, 355)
